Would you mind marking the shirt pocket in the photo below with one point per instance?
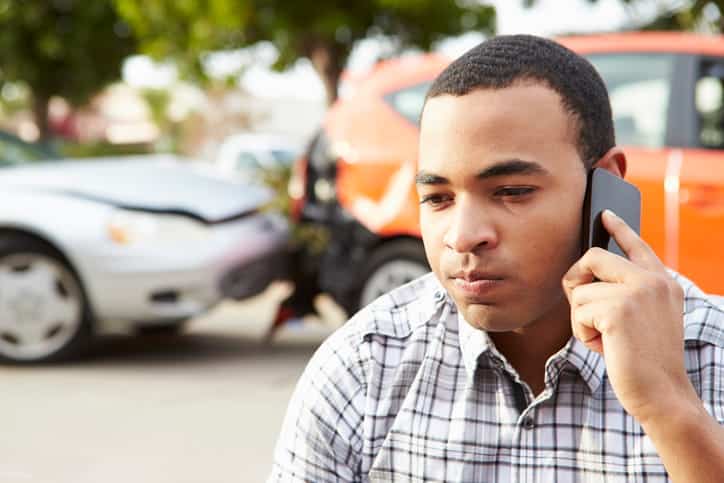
(416, 459)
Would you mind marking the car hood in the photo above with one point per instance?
(151, 183)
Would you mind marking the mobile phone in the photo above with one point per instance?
(604, 191)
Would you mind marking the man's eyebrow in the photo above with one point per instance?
(512, 167)
(423, 177)
(503, 168)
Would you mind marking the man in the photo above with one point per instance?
(518, 359)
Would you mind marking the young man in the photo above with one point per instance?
(517, 359)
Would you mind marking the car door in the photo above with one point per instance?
(701, 179)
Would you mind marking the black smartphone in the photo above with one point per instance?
(607, 191)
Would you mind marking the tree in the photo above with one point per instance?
(185, 30)
(325, 31)
(67, 48)
(687, 15)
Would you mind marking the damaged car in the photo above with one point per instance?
(148, 242)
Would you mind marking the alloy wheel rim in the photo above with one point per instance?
(41, 306)
(389, 276)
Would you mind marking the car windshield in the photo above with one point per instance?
(14, 151)
(409, 101)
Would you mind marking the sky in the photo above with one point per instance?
(547, 18)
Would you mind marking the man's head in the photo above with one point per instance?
(508, 133)
(514, 59)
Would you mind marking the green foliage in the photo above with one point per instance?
(688, 15)
(325, 31)
(295, 28)
(69, 48)
(97, 149)
(277, 179)
(14, 97)
(311, 236)
(691, 16)
(184, 30)
(157, 101)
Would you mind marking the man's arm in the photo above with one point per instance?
(689, 441)
(631, 312)
(321, 440)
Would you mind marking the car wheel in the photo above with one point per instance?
(391, 265)
(166, 329)
(44, 313)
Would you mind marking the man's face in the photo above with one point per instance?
(501, 187)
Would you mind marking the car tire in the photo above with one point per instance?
(164, 330)
(44, 311)
(391, 265)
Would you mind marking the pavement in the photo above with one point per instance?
(205, 406)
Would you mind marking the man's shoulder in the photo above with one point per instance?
(398, 313)
(703, 315)
(394, 315)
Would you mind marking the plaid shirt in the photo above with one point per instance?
(407, 391)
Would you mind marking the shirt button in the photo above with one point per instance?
(439, 295)
(528, 422)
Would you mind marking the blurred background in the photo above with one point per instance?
(195, 194)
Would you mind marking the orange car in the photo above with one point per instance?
(667, 95)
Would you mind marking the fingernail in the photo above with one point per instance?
(612, 214)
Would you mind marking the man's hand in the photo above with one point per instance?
(631, 312)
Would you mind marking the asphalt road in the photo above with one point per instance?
(202, 407)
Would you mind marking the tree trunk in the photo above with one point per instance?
(328, 60)
(40, 113)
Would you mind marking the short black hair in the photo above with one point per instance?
(508, 59)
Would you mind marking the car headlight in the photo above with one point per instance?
(129, 227)
(324, 190)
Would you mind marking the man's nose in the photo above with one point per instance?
(471, 228)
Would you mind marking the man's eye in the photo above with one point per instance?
(514, 192)
(434, 200)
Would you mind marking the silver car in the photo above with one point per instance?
(146, 242)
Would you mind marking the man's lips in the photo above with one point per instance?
(476, 284)
(474, 276)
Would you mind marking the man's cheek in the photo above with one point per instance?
(432, 238)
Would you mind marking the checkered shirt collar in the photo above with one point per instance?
(476, 346)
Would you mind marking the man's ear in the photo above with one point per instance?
(614, 161)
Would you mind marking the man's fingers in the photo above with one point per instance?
(586, 323)
(600, 264)
(637, 250)
(594, 292)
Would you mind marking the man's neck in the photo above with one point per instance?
(529, 348)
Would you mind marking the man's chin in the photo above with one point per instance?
(490, 318)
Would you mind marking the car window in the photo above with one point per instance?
(283, 157)
(409, 101)
(639, 87)
(709, 97)
(247, 161)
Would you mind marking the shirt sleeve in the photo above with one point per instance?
(321, 438)
(704, 342)
(717, 385)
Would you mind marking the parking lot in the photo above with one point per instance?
(202, 407)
